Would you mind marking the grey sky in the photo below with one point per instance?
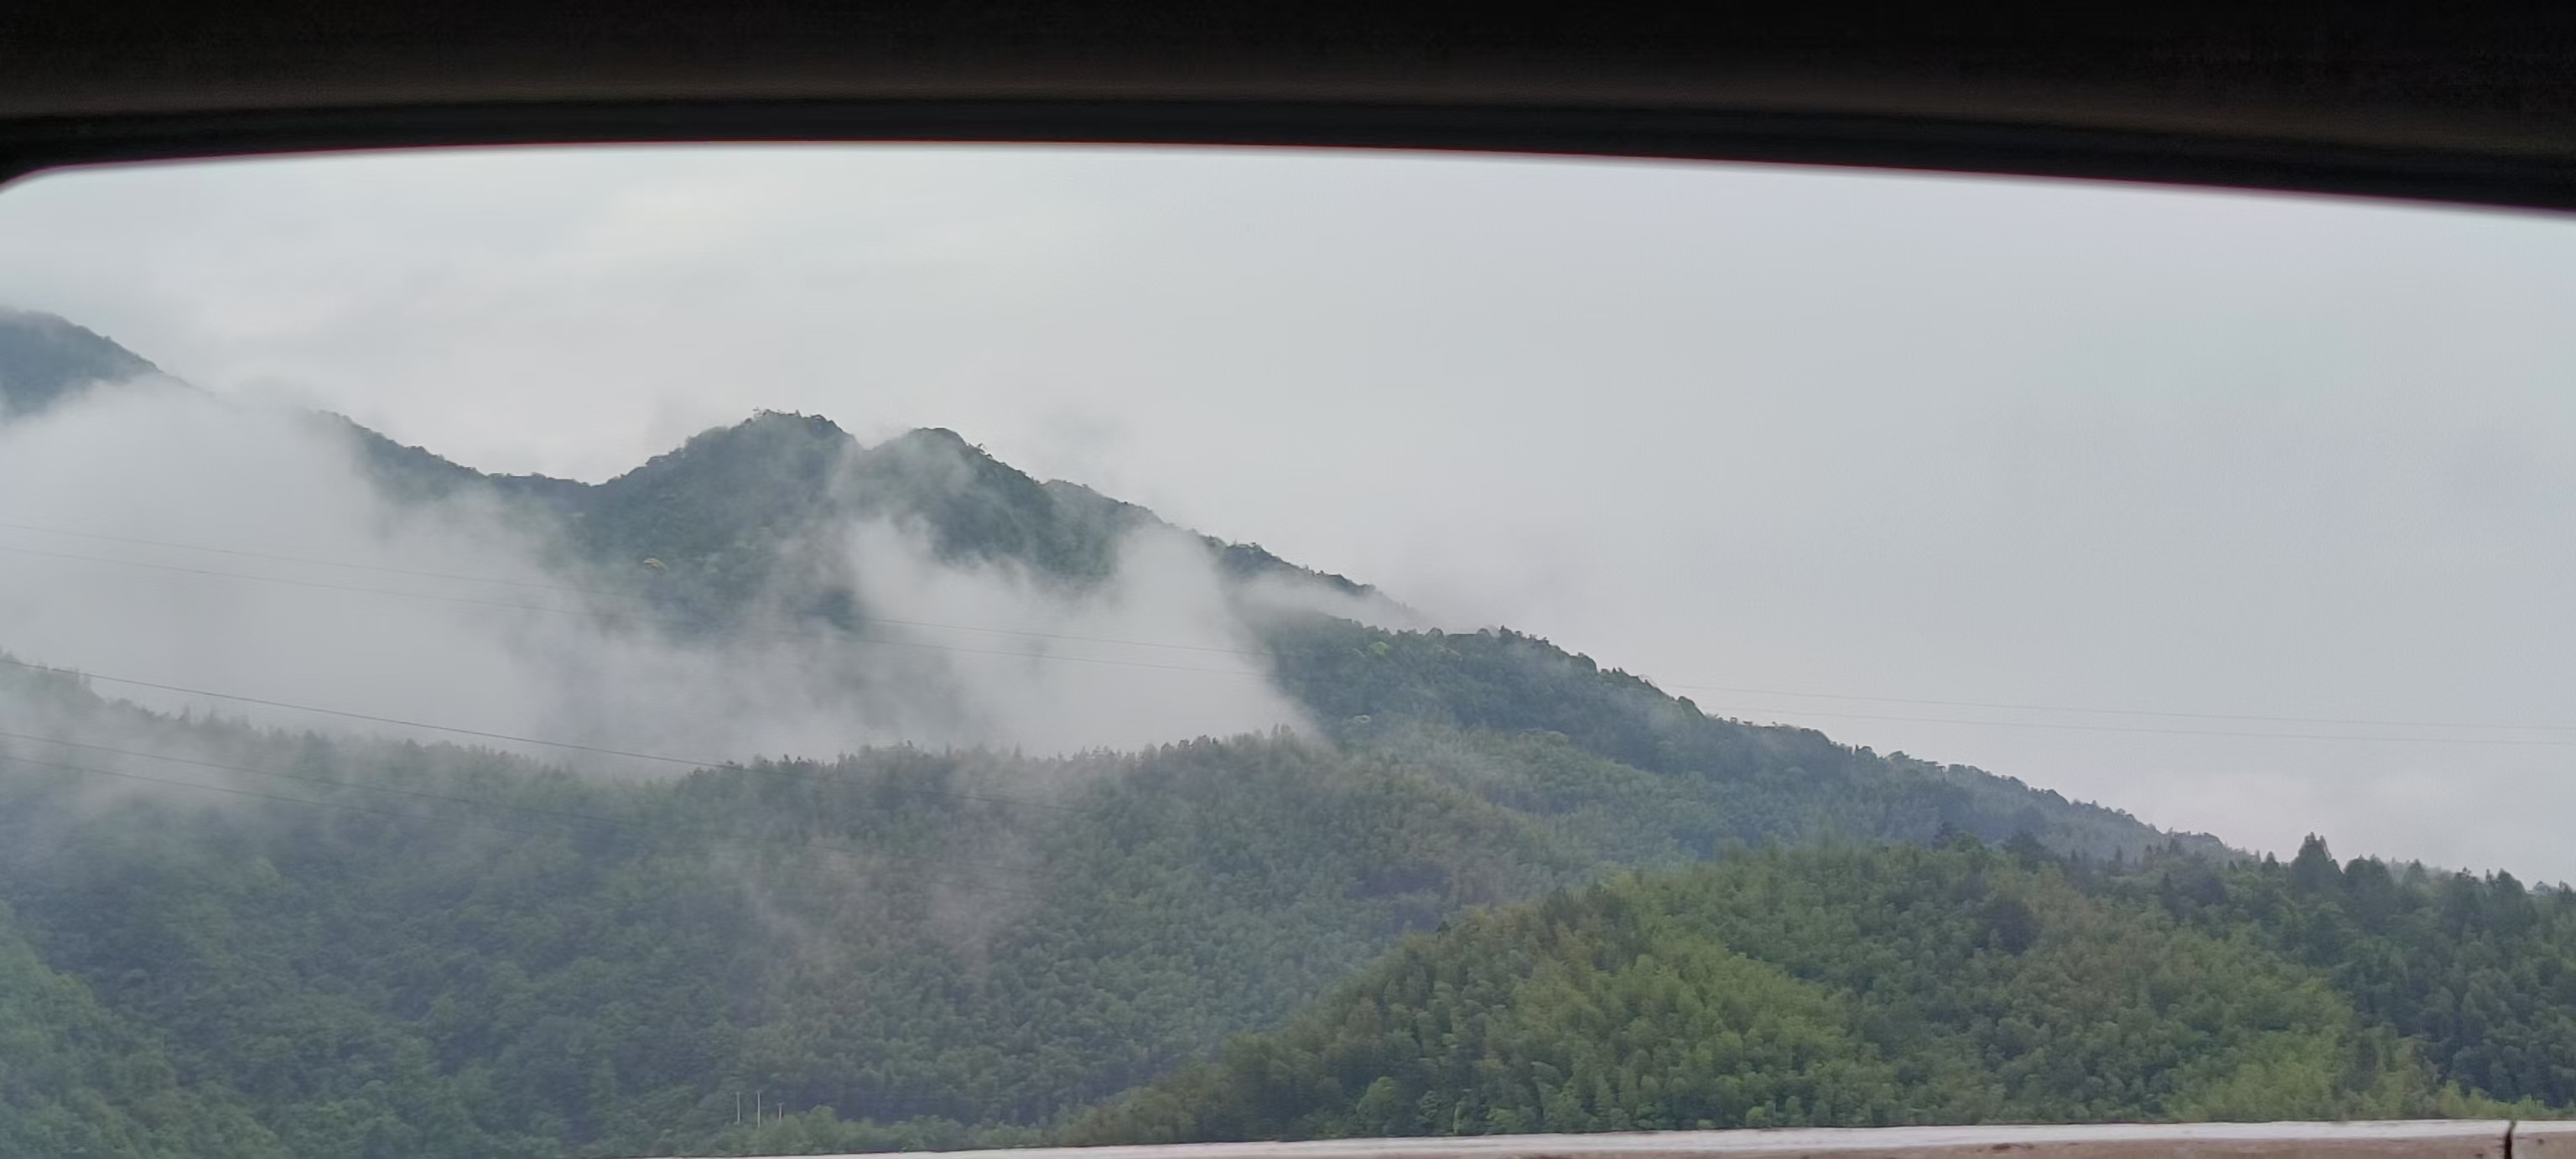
(1734, 428)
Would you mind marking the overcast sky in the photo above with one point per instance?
(1869, 452)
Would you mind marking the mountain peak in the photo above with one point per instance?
(728, 494)
(796, 422)
(45, 358)
(766, 432)
(933, 437)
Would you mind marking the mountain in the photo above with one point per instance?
(736, 514)
(734, 509)
(731, 511)
(393, 949)
(1527, 724)
(1909, 985)
(44, 359)
(371, 947)
(494, 955)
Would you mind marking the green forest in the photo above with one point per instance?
(1964, 983)
(1494, 887)
(392, 949)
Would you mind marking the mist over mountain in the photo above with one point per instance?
(715, 515)
(772, 587)
(398, 808)
(917, 590)
(44, 359)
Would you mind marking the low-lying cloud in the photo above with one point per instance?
(240, 549)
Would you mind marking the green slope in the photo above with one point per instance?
(2481, 971)
(76, 1080)
(395, 949)
(1649, 776)
(388, 949)
(1862, 988)
(445, 952)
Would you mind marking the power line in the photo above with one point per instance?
(603, 593)
(202, 786)
(304, 559)
(1009, 653)
(631, 827)
(558, 815)
(690, 762)
(2126, 711)
(616, 616)
(684, 762)
(2064, 727)
(77, 674)
(1247, 652)
(326, 781)
(1011, 801)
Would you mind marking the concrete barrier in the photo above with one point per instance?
(2549, 1140)
(2422, 1139)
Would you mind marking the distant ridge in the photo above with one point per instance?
(267, 944)
(708, 507)
(731, 520)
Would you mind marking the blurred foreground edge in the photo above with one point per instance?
(2465, 103)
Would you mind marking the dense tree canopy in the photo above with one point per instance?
(1494, 888)
(377, 949)
(1844, 988)
(2480, 971)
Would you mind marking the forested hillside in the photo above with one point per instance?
(730, 526)
(237, 940)
(1533, 726)
(504, 956)
(1909, 985)
(730, 513)
(77, 1080)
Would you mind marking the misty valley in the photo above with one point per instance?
(794, 794)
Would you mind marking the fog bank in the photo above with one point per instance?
(240, 549)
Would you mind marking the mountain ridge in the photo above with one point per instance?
(385, 948)
(716, 520)
(793, 464)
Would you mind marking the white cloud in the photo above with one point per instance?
(343, 607)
